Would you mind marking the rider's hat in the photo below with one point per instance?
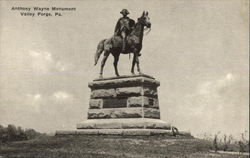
(124, 12)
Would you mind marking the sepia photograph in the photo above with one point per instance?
(124, 79)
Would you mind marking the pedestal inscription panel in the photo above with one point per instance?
(115, 103)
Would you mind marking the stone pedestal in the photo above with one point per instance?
(126, 105)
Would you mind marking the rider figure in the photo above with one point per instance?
(123, 27)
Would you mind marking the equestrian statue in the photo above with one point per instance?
(127, 39)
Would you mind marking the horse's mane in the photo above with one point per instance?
(136, 24)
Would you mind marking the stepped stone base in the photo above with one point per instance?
(140, 123)
(126, 127)
(126, 132)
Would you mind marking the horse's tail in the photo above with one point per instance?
(99, 50)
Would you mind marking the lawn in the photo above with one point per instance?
(110, 147)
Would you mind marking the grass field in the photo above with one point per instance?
(110, 147)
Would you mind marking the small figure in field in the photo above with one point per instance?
(175, 131)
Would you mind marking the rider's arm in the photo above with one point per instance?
(132, 23)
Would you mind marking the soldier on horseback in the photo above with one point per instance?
(123, 27)
(126, 31)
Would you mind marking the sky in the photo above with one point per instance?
(197, 49)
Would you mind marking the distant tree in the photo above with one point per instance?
(11, 132)
(215, 143)
(225, 147)
(31, 133)
(230, 138)
(243, 143)
(20, 131)
(241, 147)
(1, 131)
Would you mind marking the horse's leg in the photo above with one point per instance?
(116, 59)
(137, 62)
(133, 64)
(105, 57)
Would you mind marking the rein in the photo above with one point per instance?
(148, 30)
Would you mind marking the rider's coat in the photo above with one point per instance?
(124, 24)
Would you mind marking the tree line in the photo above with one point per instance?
(13, 133)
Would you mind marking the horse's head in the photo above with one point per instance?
(145, 20)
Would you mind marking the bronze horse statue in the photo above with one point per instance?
(113, 45)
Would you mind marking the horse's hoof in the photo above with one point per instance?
(117, 75)
(100, 77)
(132, 73)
